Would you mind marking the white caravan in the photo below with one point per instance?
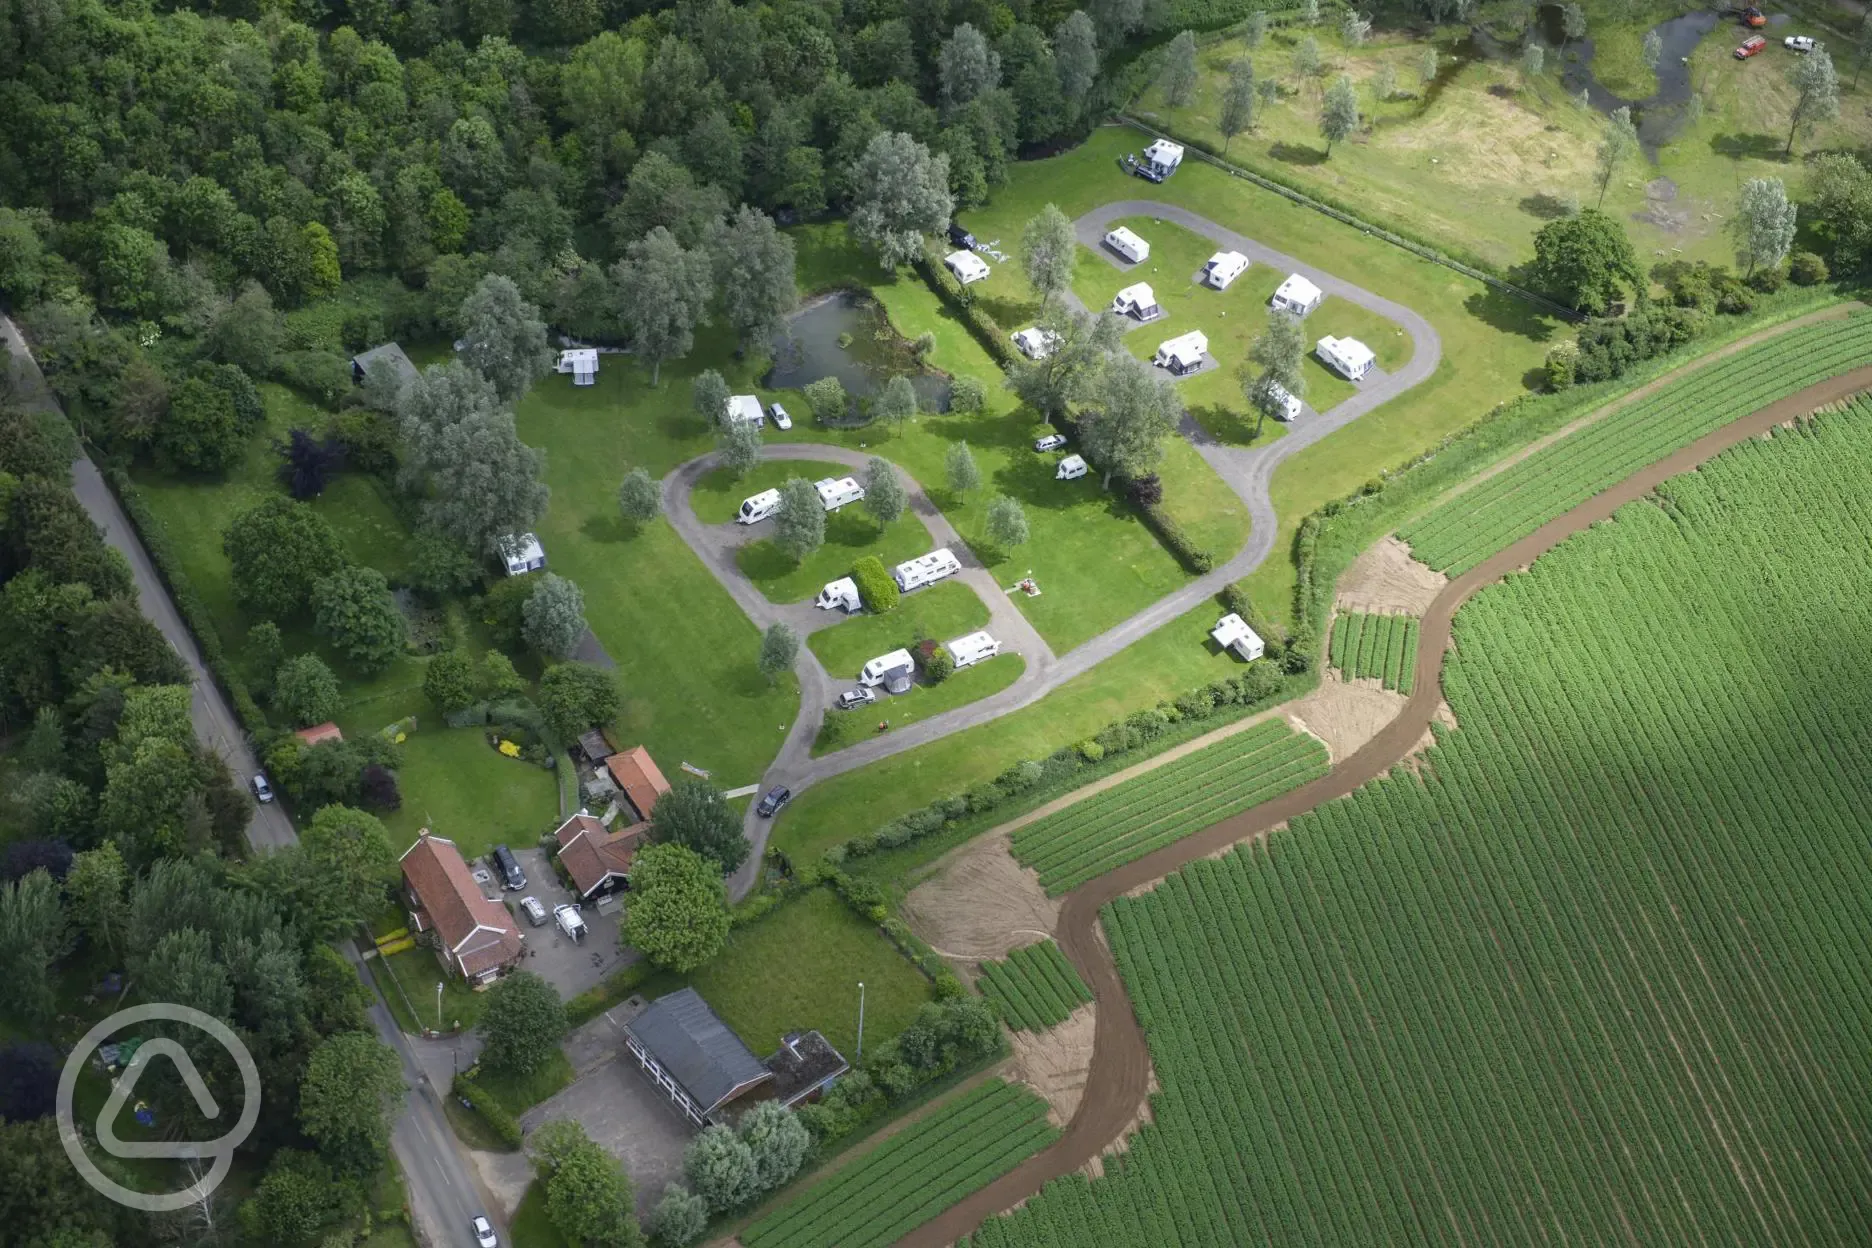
(1232, 633)
(835, 492)
(967, 266)
(1184, 353)
(1351, 358)
(878, 670)
(839, 595)
(746, 409)
(972, 649)
(1296, 296)
(1128, 245)
(1070, 469)
(926, 569)
(758, 507)
(1223, 268)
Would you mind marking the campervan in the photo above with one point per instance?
(972, 649)
(758, 507)
(926, 569)
(1163, 156)
(1128, 245)
(1070, 469)
(835, 492)
(839, 595)
(879, 671)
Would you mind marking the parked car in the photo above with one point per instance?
(535, 913)
(1052, 442)
(780, 418)
(484, 1232)
(852, 699)
(959, 237)
(774, 802)
(1750, 46)
(263, 792)
(1799, 43)
(1754, 18)
(509, 867)
(1145, 169)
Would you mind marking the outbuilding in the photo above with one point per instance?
(835, 492)
(1223, 268)
(1034, 343)
(926, 569)
(745, 409)
(582, 363)
(972, 649)
(1127, 244)
(521, 552)
(1349, 357)
(891, 670)
(840, 595)
(389, 358)
(1164, 156)
(967, 266)
(1138, 301)
(1232, 633)
(688, 1051)
(1184, 353)
(1296, 295)
(1070, 469)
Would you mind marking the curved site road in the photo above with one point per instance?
(1120, 1067)
(1249, 472)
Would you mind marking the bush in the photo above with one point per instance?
(1090, 750)
(1770, 279)
(938, 666)
(505, 1126)
(875, 587)
(967, 395)
(1175, 540)
(1146, 491)
(1807, 269)
(1562, 364)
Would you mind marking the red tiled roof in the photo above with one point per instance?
(636, 773)
(319, 734)
(476, 933)
(592, 855)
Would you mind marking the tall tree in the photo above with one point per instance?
(960, 470)
(353, 608)
(1651, 51)
(1238, 101)
(305, 691)
(1006, 523)
(350, 850)
(639, 499)
(521, 1024)
(1079, 340)
(1134, 413)
(710, 393)
(1572, 24)
(1354, 28)
(720, 1168)
(740, 446)
(1076, 56)
(754, 271)
(555, 616)
(1839, 195)
(884, 493)
(1339, 114)
(678, 916)
(694, 813)
(277, 551)
(779, 647)
(666, 292)
(462, 450)
(503, 337)
(1764, 222)
(95, 895)
(966, 66)
(34, 936)
(1049, 249)
(778, 1142)
(589, 1198)
(900, 193)
(1816, 94)
(1306, 57)
(353, 1086)
(1280, 350)
(680, 1218)
(1620, 141)
(896, 403)
(799, 525)
(574, 696)
(1586, 261)
(1180, 75)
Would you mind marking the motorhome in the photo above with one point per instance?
(926, 569)
(758, 507)
(835, 492)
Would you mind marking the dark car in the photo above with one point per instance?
(1149, 172)
(509, 867)
(959, 237)
(776, 798)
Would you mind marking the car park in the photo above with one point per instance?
(484, 1232)
(1799, 43)
(780, 418)
(262, 791)
(774, 801)
(852, 699)
(1052, 442)
(534, 911)
(1750, 46)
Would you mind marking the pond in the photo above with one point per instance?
(846, 335)
(1659, 116)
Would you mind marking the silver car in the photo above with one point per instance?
(535, 913)
(1052, 442)
(780, 417)
(852, 699)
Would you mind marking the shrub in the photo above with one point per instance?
(1770, 279)
(1090, 750)
(505, 1126)
(1807, 269)
(978, 321)
(938, 666)
(1562, 363)
(1175, 540)
(967, 395)
(875, 586)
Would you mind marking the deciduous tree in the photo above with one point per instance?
(896, 403)
(1816, 94)
(900, 193)
(828, 399)
(639, 499)
(680, 1217)
(710, 394)
(678, 916)
(1586, 261)
(1077, 342)
(353, 608)
(449, 681)
(720, 1167)
(1339, 114)
(799, 525)
(960, 470)
(278, 551)
(1049, 249)
(1764, 222)
(1075, 54)
(1620, 141)
(555, 616)
(1006, 523)
(305, 691)
(1134, 413)
(966, 66)
(575, 696)
(503, 337)
(521, 1024)
(695, 814)
(777, 1141)
(1238, 101)
(666, 290)
(754, 271)
(884, 493)
(1180, 75)
(353, 1086)
(779, 647)
(1280, 350)
(740, 446)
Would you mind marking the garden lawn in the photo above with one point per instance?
(717, 497)
(414, 1005)
(457, 785)
(841, 728)
(530, 1227)
(851, 533)
(518, 1093)
(944, 611)
(799, 968)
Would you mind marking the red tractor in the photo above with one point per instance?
(1753, 18)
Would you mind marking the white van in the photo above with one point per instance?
(972, 649)
(878, 670)
(759, 507)
(1070, 469)
(571, 922)
(926, 569)
(835, 492)
(841, 595)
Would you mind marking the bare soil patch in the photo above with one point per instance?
(1387, 580)
(979, 904)
(1345, 714)
(1055, 1062)
(1121, 1143)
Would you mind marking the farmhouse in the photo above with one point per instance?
(1163, 156)
(638, 778)
(598, 860)
(1348, 356)
(1183, 354)
(691, 1054)
(1223, 268)
(745, 409)
(521, 553)
(389, 357)
(472, 936)
(1128, 245)
(967, 266)
(1296, 295)
(1138, 301)
(1034, 343)
(582, 363)
(1232, 633)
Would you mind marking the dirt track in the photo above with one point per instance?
(1120, 1067)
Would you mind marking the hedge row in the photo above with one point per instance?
(993, 340)
(503, 1124)
(870, 902)
(1176, 540)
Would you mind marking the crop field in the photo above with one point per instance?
(1129, 820)
(1035, 987)
(1597, 972)
(917, 1173)
(1376, 647)
(1512, 504)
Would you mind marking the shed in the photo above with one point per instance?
(640, 779)
(745, 408)
(582, 363)
(1138, 300)
(521, 553)
(1034, 343)
(1223, 268)
(388, 356)
(967, 266)
(319, 734)
(1184, 353)
(1164, 156)
(805, 1066)
(1296, 295)
(688, 1051)
(1350, 357)
(1070, 469)
(972, 649)
(1232, 633)
(1127, 244)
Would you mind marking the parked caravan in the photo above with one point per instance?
(1070, 469)
(835, 492)
(926, 569)
(1232, 633)
(967, 266)
(582, 364)
(1183, 354)
(746, 409)
(1289, 406)
(1035, 343)
(839, 595)
(521, 553)
(1223, 268)
(1163, 157)
(1128, 245)
(886, 668)
(1138, 301)
(972, 649)
(1349, 357)
(1296, 296)
(759, 507)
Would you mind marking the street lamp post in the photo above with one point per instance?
(861, 1022)
(438, 1006)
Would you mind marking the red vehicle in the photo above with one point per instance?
(1752, 18)
(1750, 46)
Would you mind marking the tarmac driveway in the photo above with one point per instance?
(571, 968)
(630, 1118)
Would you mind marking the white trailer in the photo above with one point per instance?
(835, 492)
(1232, 633)
(746, 409)
(1035, 343)
(1223, 268)
(1296, 296)
(1289, 406)
(758, 507)
(521, 552)
(1349, 357)
(1139, 301)
(972, 649)
(1164, 156)
(967, 266)
(582, 363)
(926, 569)
(880, 669)
(839, 595)
(1184, 353)
(1128, 245)
(1070, 469)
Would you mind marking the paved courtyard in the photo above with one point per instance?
(571, 968)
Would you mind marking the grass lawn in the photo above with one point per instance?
(851, 533)
(530, 1227)
(717, 497)
(842, 728)
(799, 968)
(418, 973)
(945, 610)
(458, 786)
(518, 1093)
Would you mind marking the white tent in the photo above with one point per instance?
(1183, 354)
(972, 649)
(1139, 301)
(967, 266)
(1350, 357)
(582, 363)
(1232, 633)
(745, 408)
(1165, 155)
(1128, 245)
(1070, 469)
(1296, 295)
(521, 552)
(1223, 268)
(1034, 343)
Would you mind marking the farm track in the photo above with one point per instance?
(1120, 1067)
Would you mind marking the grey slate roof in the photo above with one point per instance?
(388, 354)
(696, 1047)
(804, 1061)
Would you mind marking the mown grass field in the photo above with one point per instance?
(1621, 904)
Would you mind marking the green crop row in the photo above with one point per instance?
(1035, 987)
(1375, 647)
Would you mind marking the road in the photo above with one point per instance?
(1249, 472)
(442, 1190)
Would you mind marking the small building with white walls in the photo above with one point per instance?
(967, 266)
(972, 649)
(745, 409)
(1224, 267)
(521, 553)
(1296, 295)
(1138, 301)
(1071, 468)
(1232, 633)
(582, 363)
(1034, 343)
(1164, 156)
(1128, 245)
(1184, 353)
(1348, 357)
